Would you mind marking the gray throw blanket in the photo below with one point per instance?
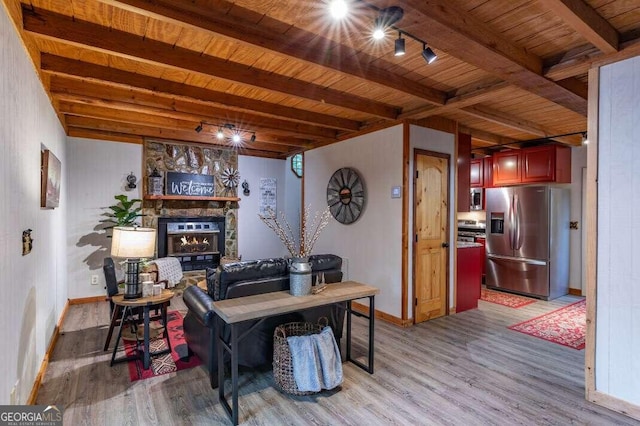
(316, 361)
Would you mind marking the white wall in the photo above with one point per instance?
(372, 245)
(97, 172)
(255, 240)
(33, 288)
(617, 364)
(578, 163)
(434, 140)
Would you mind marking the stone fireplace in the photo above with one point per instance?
(193, 220)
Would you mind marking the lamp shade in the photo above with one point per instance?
(133, 242)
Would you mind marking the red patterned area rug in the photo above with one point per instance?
(162, 364)
(566, 326)
(506, 299)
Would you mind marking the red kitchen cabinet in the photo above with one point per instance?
(464, 157)
(469, 278)
(483, 255)
(477, 173)
(487, 168)
(551, 163)
(507, 168)
(548, 164)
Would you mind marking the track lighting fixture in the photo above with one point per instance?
(585, 139)
(399, 47)
(338, 9)
(428, 54)
(229, 132)
(386, 18)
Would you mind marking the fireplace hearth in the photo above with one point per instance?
(197, 242)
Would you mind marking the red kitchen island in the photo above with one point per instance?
(469, 275)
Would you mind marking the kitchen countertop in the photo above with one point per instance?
(466, 244)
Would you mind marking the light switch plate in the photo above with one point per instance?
(396, 192)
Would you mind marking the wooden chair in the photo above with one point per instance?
(112, 289)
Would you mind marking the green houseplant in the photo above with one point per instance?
(124, 213)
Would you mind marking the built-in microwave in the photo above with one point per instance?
(476, 198)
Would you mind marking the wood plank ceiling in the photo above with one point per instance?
(507, 70)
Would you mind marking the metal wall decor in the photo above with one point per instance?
(346, 195)
(230, 178)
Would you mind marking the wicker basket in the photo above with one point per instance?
(282, 364)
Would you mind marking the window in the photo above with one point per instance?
(296, 165)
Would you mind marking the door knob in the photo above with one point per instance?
(445, 244)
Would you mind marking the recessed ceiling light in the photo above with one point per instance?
(338, 9)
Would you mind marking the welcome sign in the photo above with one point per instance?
(188, 184)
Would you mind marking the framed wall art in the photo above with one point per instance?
(51, 171)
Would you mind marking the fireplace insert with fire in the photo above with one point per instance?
(196, 242)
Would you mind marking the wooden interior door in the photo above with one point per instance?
(431, 252)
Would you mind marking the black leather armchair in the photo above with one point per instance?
(244, 279)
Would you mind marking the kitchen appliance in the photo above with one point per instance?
(528, 240)
(469, 230)
(476, 199)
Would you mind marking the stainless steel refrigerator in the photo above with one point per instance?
(528, 240)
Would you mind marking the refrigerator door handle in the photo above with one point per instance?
(517, 259)
(517, 245)
(511, 219)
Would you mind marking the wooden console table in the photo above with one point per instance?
(262, 306)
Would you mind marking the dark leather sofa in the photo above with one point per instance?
(249, 278)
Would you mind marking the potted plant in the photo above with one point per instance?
(124, 213)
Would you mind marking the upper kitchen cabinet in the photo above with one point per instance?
(476, 174)
(551, 163)
(481, 173)
(507, 168)
(541, 164)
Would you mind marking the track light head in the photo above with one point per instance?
(399, 46)
(253, 138)
(585, 139)
(236, 137)
(198, 128)
(220, 134)
(428, 54)
(386, 18)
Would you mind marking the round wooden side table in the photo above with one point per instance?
(161, 302)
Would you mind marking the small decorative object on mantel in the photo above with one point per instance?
(155, 183)
(299, 267)
(190, 184)
(27, 242)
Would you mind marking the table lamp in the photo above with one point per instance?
(133, 243)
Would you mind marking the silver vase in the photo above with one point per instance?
(299, 276)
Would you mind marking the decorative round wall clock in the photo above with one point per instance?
(230, 177)
(346, 195)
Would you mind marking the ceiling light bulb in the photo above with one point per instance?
(338, 9)
(378, 34)
(220, 134)
(235, 138)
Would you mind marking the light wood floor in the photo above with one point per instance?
(465, 369)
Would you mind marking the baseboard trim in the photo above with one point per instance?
(364, 309)
(83, 300)
(615, 404)
(575, 291)
(33, 395)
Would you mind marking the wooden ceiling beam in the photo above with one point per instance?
(117, 78)
(488, 138)
(579, 60)
(504, 119)
(49, 25)
(72, 105)
(146, 130)
(104, 135)
(471, 94)
(318, 50)
(587, 22)
(470, 40)
(125, 100)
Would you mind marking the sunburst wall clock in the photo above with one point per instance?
(346, 195)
